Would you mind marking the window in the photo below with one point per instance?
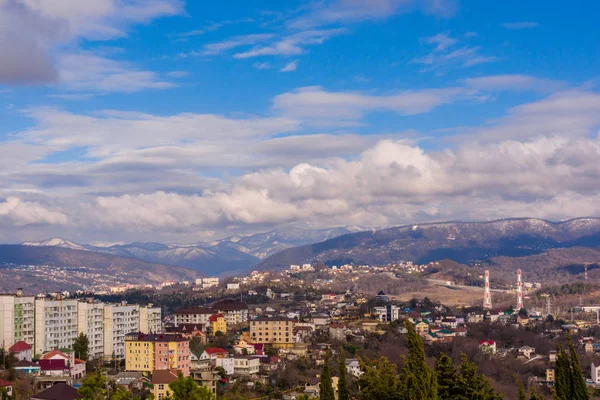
(161, 387)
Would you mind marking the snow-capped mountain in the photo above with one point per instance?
(220, 256)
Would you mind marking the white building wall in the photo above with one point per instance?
(55, 324)
(150, 319)
(119, 320)
(17, 319)
(90, 322)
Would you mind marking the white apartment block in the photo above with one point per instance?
(207, 282)
(119, 320)
(90, 322)
(17, 319)
(150, 319)
(192, 315)
(55, 324)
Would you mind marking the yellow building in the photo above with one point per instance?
(277, 331)
(218, 324)
(422, 328)
(146, 353)
(160, 383)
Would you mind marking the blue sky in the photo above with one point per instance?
(172, 121)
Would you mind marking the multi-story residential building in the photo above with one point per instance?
(90, 322)
(119, 320)
(235, 312)
(217, 324)
(277, 331)
(55, 324)
(150, 319)
(146, 353)
(207, 283)
(192, 315)
(246, 366)
(388, 313)
(17, 318)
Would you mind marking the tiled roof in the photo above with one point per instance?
(50, 354)
(216, 350)
(19, 346)
(163, 377)
(4, 383)
(60, 391)
(215, 317)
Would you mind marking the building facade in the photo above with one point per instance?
(235, 312)
(17, 319)
(192, 315)
(146, 353)
(119, 320)
(90, 322)
(277, 331)
(55, 324)
(150, 319)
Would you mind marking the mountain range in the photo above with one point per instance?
(459, 241)
(225, 256)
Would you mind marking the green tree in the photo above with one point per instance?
(520, 390)
(379, 380)
(446, 377)
(81, 346)
(4, 394)
(580, 391)
(417, 379)
(121, 394)
(93, 387)
(534, 394)
(563, 381)
(472, 385)
(343, 391)
(326, 387)
(188, 389)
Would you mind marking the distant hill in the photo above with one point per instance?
(87, 268)
(459, 241)
(224, 256)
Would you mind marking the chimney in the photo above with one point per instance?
(19, 292)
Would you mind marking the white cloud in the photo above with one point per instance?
(84, 72)
(315, 102)
(235, 42)
(21, 213)
(262, 65)
(515, 82)
(293, 44)
(291, 66)
(520, 25)
(32, 31)
(339, 11)
(446, 54)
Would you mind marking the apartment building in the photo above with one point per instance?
(146, 353)
(90, 322)
(55, 324)
(119, 320)
(277, 331)
(150, 319)
(246, 366)
(217, 324)
(192, 315)
(207, 283)
(17, 319)
(235, 312)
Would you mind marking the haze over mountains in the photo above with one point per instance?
(228, 255)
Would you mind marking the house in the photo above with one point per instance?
(244, 348)
(246, 366)
(312, 387)
(550, 375)
(59, 391)
(212, 353)
(130, 380)
(552, 356)
(7, 386)
(487, 346)
(595, 373)
(27, 367)
(22, 351)
(189, 331)
(353, 367)
(338, 332)
(382, 297)
(217, 324)
(226, 363)
(527, 352)
(421, 328)
(160, 383)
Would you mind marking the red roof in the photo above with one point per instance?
(53, 353)
(216, 350)
(19, 346)
(4, 383)
(214, 317)
(164, 376)
(487, 342)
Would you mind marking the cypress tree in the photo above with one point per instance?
(534, 394)
(418, 380)
(520, 390)
(563, 381)
(379, 380)
(446, 377)
(343, 391)
(474, 386)
(579, 387)
(326, 387)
